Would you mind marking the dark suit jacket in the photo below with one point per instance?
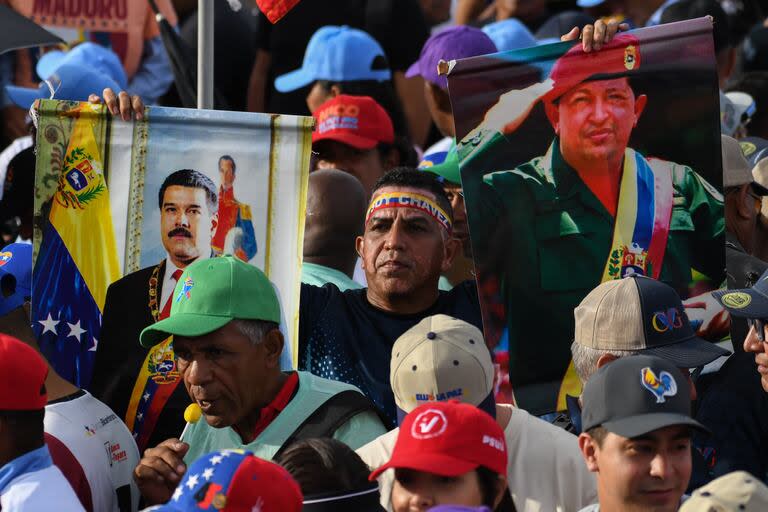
(119, 355)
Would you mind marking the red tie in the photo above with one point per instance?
(165, 313)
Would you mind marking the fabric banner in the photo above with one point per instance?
(131, 201)
(582, 167)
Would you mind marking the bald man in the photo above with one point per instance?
(336, 204)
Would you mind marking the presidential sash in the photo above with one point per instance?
(640, 234)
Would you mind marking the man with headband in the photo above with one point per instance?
(591, 200)
(407, 243)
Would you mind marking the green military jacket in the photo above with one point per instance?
(547, 237)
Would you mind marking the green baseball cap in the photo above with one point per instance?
(211, 293)
(445, 164)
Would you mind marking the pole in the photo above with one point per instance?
(205, 54)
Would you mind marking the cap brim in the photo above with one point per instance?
(294, 80)
(23, 96)
(413, 70)
(182, 324)
(435, 463)
(690, 353)
(756, 308)
(350, 139)
(48, 63)
(640, 424)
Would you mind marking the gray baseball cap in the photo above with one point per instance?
(636, 395)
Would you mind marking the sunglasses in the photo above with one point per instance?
(759, 325)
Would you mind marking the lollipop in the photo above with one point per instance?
(192, 414)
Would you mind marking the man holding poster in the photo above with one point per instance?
(591, 209)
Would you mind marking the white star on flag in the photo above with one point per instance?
(146, 396)
(208, 474)
(49, 325)
(226, 453)
(139, 416)
(192, 481)
(75, 331)
(216, 459)
(177, 493)
(95, 345)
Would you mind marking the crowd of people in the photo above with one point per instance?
(394, 402)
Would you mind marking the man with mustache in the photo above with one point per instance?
(140, 384)
(591, 209)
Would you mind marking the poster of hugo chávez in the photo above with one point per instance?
(579, 168)
(121, 208)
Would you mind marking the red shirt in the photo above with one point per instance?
(270, 411)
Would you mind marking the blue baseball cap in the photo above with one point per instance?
(69, 82)
(338, 54)
(510, 34)
(234, 481)
(88, 56)
(459, 42)
(589, 3)
(746, 302)
(15, 273)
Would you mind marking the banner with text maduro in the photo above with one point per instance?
(579, 168)
(122, 207)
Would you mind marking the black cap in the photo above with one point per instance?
(635, 395)
(746, 302)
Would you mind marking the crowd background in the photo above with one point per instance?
(394, 404)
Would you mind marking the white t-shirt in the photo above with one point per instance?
(40, 491)
(545, 470)
(94, 443)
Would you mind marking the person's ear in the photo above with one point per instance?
(553, 114)
(451, 247)
(589, 449)
(605, 359)
(360, 248)
(336, 90)
(214, 222)
(640, 103)
(273, 344)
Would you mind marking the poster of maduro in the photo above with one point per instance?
(121, 208)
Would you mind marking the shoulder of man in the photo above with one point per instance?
(377, 452)
(685, 179)
(133, 282)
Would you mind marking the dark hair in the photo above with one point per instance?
(407, 156)
(325, 465)
(26, 427)
(410, 177)
(598, 434)
(384, 94)
(192, 179)
(230, 159)
(488, 481)
(690, 9)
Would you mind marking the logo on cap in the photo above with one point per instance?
(5, 257)
(747, 148)
(630, 57)
(186, 289)
(339, 117)
(428, 424)
(662, 386)
(736, 300)
(663, 321)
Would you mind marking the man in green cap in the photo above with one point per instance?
(590, 210)
(225, 325)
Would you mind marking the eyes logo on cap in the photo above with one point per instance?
(630, 57)
(663, 321)
(428, 424)
(747, 148)
(5, 257)
(736, 300)
(186, 289)
(662, 386)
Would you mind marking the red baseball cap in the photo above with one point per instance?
(620, 57)
(22, 376)
(448, 439)
(357, 121)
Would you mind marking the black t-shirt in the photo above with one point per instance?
(398, 25)
(343, 337)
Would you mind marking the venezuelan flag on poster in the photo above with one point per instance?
(77, 259)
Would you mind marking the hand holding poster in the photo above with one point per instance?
(579, 168)
(121, 208)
